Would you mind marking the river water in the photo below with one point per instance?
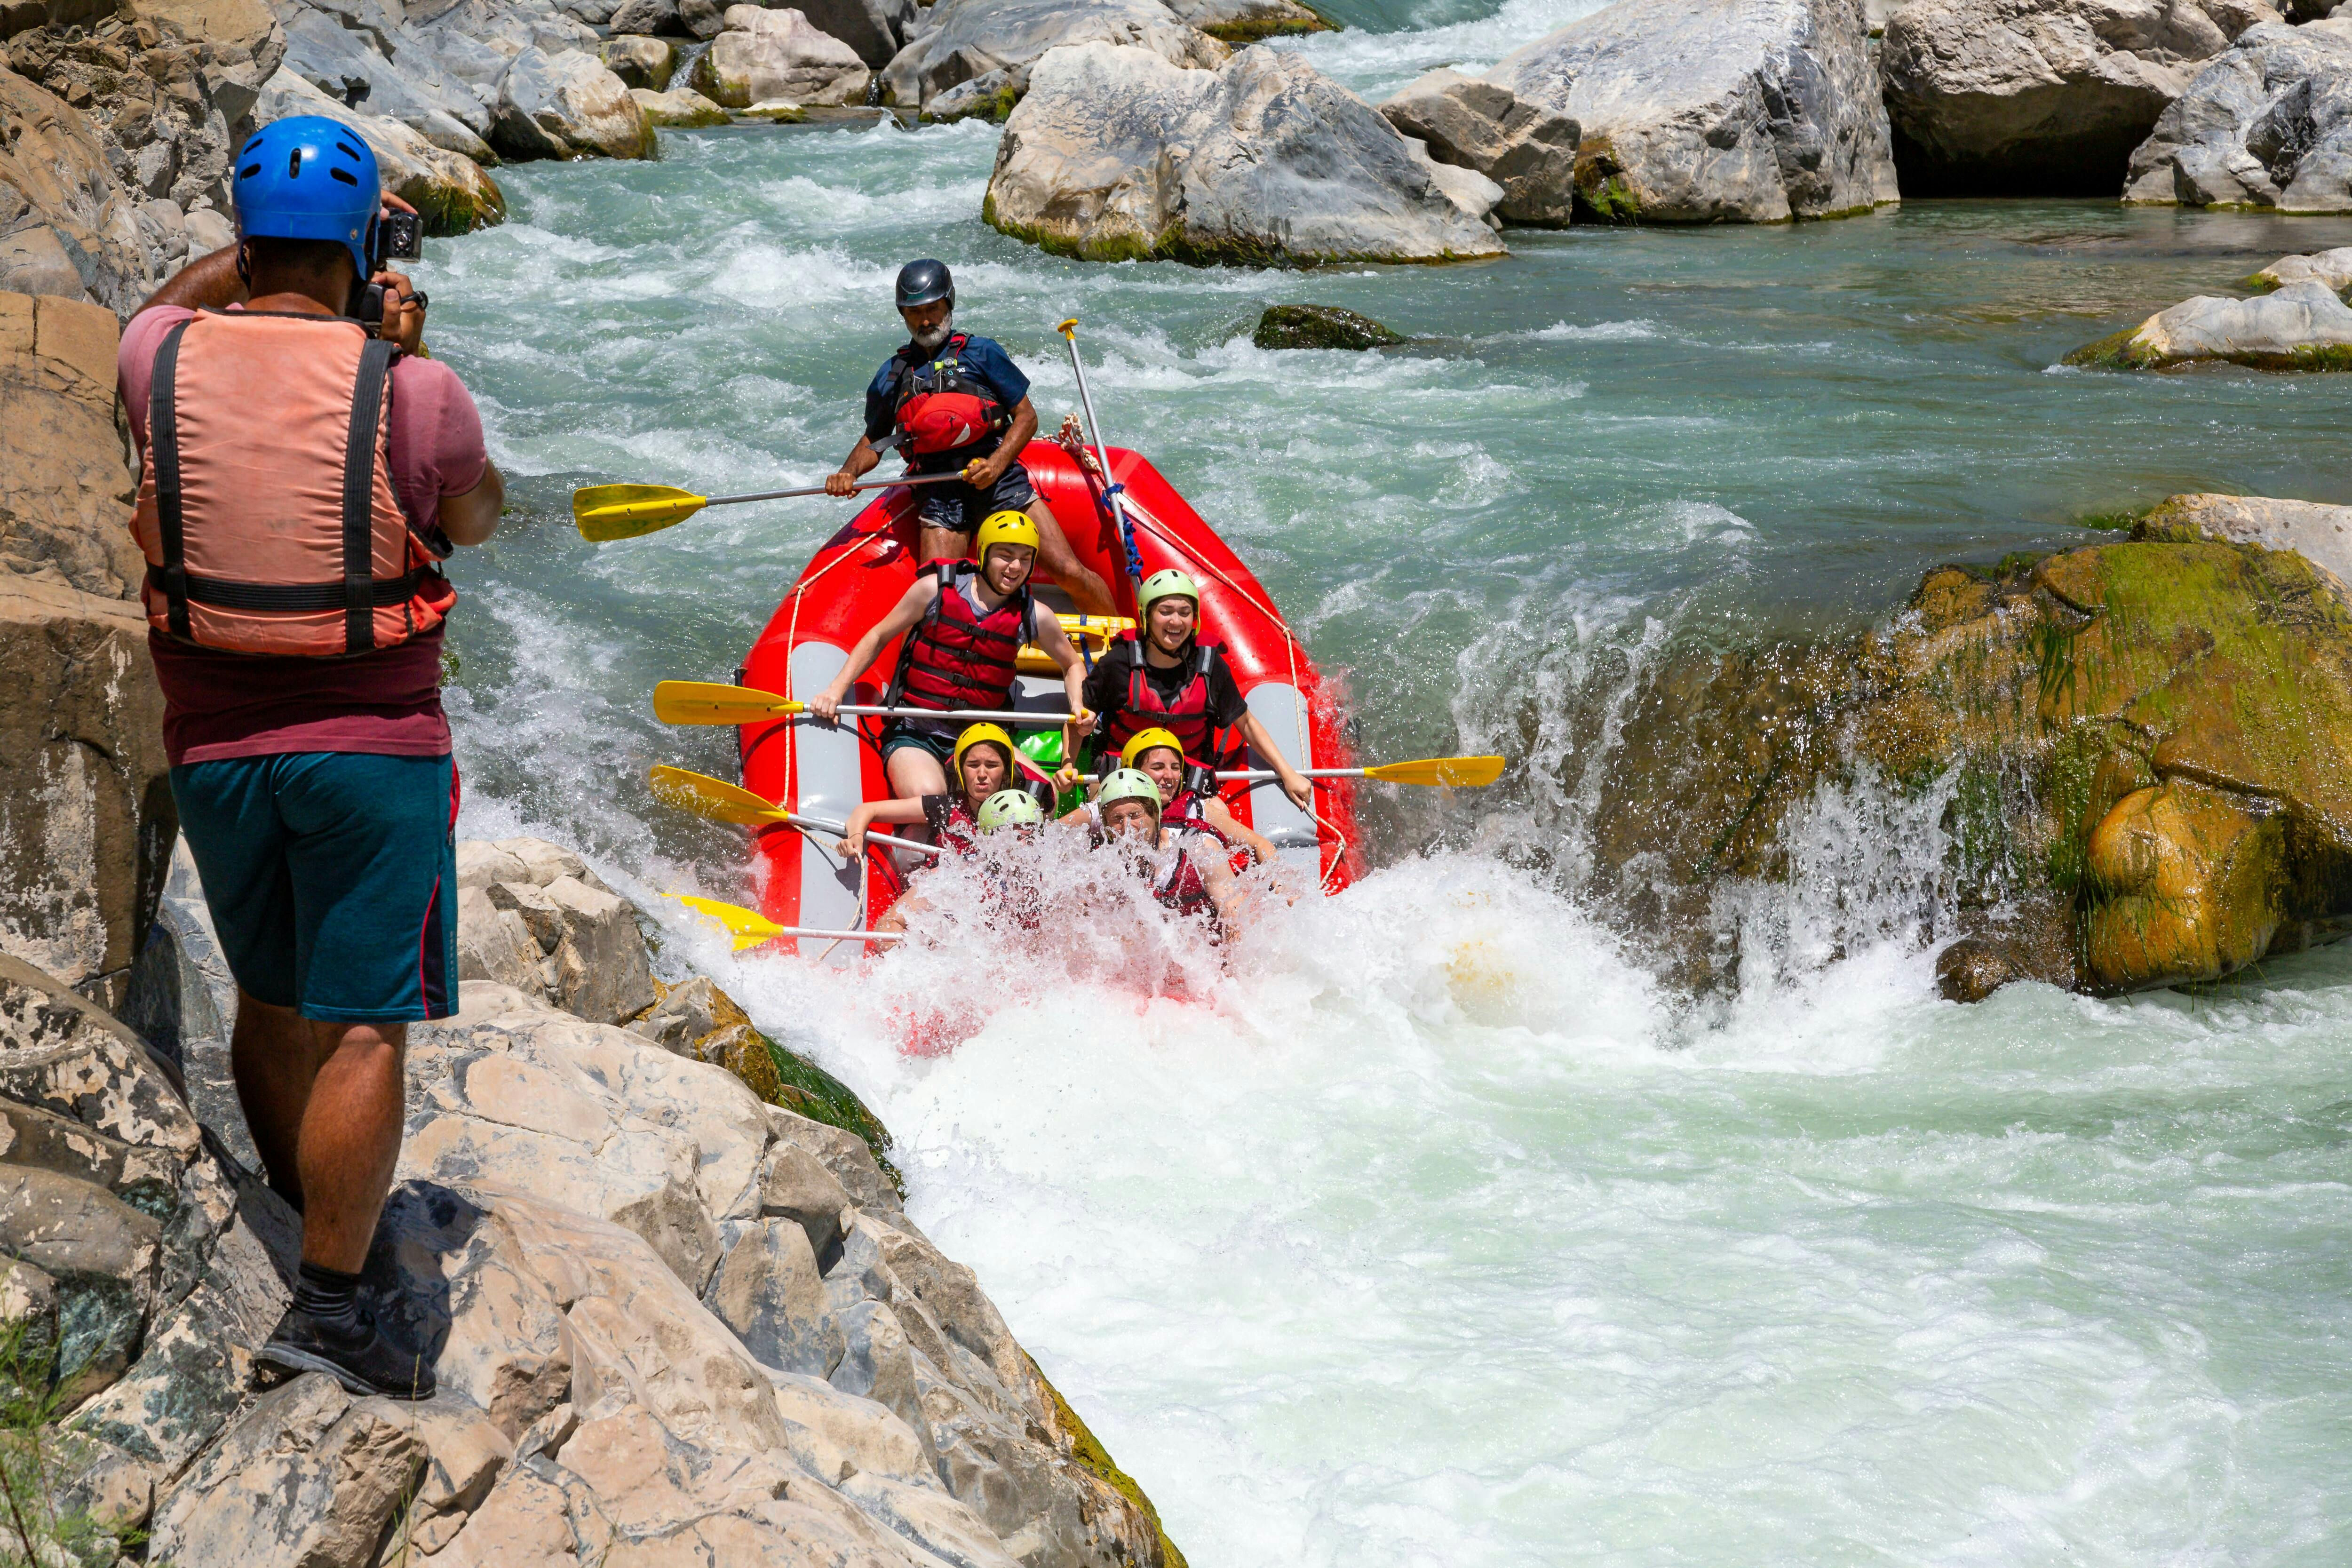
(1436, 1233)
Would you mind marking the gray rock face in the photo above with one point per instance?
(684, 109)
(448, 189)
(337, 60)
(535, 916)
(962, 40)
(2266, 124)
(568, 106)
(2048, 97)
(647, 16)
(876, 29)
(766, 56)
(1528, 150)
(1689, 111)
(1117, 154)
(67, 224)
(1247, 21)
(641, 62)
(2303, 326)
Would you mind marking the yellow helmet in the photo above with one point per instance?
(1005, 528)
(979, 734)
(1143, 741)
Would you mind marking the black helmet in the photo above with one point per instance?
(920, 282)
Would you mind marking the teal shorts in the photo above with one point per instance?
(332, 877)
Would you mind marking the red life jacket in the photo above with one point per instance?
(266, 504)
(1183, 888)
(1141, 708)
(943, 405)
(954, 659)
(1190, 812)
(954, 826)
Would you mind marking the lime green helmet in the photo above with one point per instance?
(1129, 783)
(1166, 584)
(1009, 808)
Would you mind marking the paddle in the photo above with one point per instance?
(1467, 773)
(709, 702)
(607, 513)
(750, 929)
(1112, 490)
(722, 802)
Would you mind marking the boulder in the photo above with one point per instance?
(964, 39)
(876, 29)
(703, 18)
(416, 92)
(684, 110)
(2042, 96)
(88, 829)
(768, 56)
(641, 62)
(2265, 124)
(68, 226)
(2303, 326)
(568, 106)
(1472, 124)
(1249, 21)
(2332, 267)
(1684, 111)
(1319, 327)
(645, 16)
(1116, 154)
(2320, 534)
(101, 1256)
(535, 916)
(449, 190)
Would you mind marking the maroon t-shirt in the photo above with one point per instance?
(387, 702)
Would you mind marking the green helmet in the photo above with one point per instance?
(1009, 808)
(1129, 783)
(1164, 584)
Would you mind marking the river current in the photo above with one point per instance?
(1437, 1233)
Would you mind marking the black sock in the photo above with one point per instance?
(329, 1296)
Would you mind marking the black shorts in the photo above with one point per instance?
(962, 509)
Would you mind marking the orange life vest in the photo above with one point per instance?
(266, 504)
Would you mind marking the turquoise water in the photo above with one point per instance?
(1435, 1233)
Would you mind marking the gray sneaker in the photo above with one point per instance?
(370, 1363)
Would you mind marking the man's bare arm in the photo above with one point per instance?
(207, 283)
(473, 517)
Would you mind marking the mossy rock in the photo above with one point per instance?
(1086, 1451)
(1320, 327)
(449, 212)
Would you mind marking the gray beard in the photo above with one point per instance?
(928, 340)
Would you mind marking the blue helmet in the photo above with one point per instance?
(309, 177)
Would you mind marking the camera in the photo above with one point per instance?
(399, 236)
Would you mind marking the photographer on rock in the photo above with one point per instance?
(304, 473)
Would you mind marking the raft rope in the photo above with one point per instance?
(791, 641)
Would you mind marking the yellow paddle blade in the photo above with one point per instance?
(1461, 772)
(714, 798)
(709, 702)
(607, 512)
(749, 929)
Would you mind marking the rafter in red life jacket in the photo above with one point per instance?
(954, 659)
(1187, 718)
(941, 406)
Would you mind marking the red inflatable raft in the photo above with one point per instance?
(822, 771)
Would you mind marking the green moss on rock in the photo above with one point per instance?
(1086, 1451)
(1320, 327)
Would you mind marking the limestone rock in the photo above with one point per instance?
(765, 56)
(2332, 267)
(796, 1186)
(1117, 154)
(683, 110)
(2320, 534)
(67, 224)
(769, 1291)
(102, 1256)
(2265, 124)
(534, 916)
(1319, 327)
(568, 106)
(308, 1476)
(449, 190)
(645, 16)
(1249, 21)
(962, 39)
(1528, 150)
(641, 62)
(414, 91)
(876, 29)
(2042, 96)
(1688, 112)
(2303, 326)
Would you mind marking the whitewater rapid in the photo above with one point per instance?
(1437, 1232)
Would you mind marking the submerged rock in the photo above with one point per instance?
(1319, 327)
(2041, 97)
(2332, 267)
(2265, 124)
(2129, 765)
(1117, 154)
(995, 45)
(2303, 326)
(766, 56)
(1673, 112)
